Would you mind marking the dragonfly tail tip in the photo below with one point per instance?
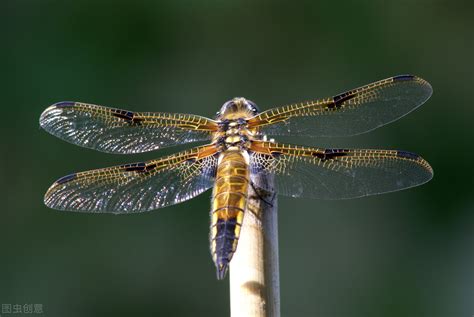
(222, 271)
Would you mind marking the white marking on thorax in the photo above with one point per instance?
(219, 160)
(246, 156)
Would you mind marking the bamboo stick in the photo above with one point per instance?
(254, 271)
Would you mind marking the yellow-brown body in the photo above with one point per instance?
(229, 200)
(229, 197)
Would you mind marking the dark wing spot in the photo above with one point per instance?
(137, 121)
(122, 114)
(318, 155)
(63, 104)
(66, 178)
(137, 167)
(330, 154)
(403, 77)
(150, 167)
(332, 151)
(407, 155)
(340, 99)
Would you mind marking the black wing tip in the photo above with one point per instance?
(408, 155)
(403, 77)
(408, 77)
(66, 178)
(415, 157)
(64, 104)
(222, 269)
(140, 167)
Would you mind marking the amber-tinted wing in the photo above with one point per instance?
(137, 187)
(337, 173)
(120, 131)
(353, 112)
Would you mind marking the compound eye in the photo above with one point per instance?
(218, 113)
(253, 106)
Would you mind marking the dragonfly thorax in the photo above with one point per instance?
(233, 128)
(234, 136)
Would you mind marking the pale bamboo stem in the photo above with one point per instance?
(254, 271)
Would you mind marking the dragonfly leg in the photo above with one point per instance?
(262, 194)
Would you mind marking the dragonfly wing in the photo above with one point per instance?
(120, 131)
(353, 112)
(337, 173)
(137, 187)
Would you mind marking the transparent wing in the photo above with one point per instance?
(137, 187)
(353, 112)
(120, 131)
(337, 173)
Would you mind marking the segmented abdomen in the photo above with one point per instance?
(229, 200)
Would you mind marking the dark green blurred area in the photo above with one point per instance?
(408, 253)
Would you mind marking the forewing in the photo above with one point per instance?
(137, 187)
(120, 131)
(337, 173)
(353, 112)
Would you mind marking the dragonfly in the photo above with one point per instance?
(238, 147)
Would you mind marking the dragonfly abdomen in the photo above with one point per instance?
(229, 201)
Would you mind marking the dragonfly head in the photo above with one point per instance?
(237, 108)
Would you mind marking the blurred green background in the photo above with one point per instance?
(408, 253)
